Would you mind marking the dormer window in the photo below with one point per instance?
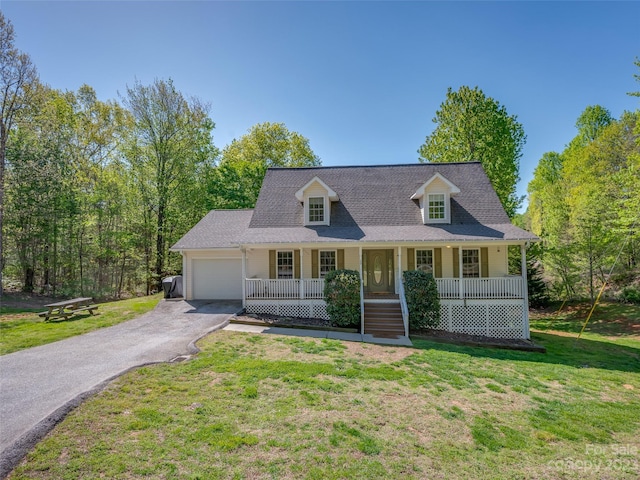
(436, 206)
(316, 209)
(315, 197)
(434, 198)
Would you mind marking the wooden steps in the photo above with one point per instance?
(383, 319)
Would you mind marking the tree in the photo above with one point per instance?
(17, 73)
(236, 181)
(170, 144)
(473, 127)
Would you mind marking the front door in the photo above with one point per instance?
(379, 271)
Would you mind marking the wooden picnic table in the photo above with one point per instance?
(67, 308)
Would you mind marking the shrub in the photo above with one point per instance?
(342, 294)
(630, 295)
(421, 293)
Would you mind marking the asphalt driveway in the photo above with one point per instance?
(40, 385)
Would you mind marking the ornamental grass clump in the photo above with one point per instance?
(342, 295)
(423, 303)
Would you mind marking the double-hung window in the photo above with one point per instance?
(424, 260)
(316, 209)
(436, 206)
(327, 262)
(285, 264)
(471, 263)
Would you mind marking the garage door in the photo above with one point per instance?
(217, 279)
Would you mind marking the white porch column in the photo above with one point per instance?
(460, 275)
(361, 294)
(184, 276)
(301, 273)
(525, 291)
(399, 269)
(244, 277)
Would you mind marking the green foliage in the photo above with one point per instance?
(236, 182)
(630, 295)
(421, 293)
(342, 295)
(473, 127)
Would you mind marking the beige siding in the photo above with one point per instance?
(257, 263)
(437, 186)
(315, 190)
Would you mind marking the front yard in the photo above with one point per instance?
(262, 406)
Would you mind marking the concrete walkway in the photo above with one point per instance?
(40, 385)
(302, 332)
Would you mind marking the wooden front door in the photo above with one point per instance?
(379, 271)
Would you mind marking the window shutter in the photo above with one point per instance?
(272, 264)
(340, 265)
(296, 264)
(456, 262)
(437, 262)
(411, 259)
(314, 263)
(484, 262)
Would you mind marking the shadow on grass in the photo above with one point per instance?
(561, 350)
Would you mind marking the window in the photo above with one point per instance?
(436, 206)
(424, 260)
(285, 264)
(327, 261)
(316, 209)
(471, 263)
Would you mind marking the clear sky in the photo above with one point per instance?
(361, 80)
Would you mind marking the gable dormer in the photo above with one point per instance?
(316, 197)
(434, 198)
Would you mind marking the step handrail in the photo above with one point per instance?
(403, 307)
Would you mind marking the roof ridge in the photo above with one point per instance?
(325, 167)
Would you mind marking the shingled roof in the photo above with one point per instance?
(374, 205)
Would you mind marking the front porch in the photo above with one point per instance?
(491, 303)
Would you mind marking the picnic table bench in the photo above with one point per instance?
(67, 308)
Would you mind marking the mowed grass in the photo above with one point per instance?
(272, 407)
(22, 328)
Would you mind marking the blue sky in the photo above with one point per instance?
(362, 81)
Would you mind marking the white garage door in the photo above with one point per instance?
(217, 279)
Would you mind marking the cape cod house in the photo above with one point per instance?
(443, 218)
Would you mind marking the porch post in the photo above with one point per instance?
(460, 270)
(301, 273)
(361, 295)
(244, 276)
(525, 291)
(399, 276)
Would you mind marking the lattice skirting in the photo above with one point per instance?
(492, 318)
(289, 308)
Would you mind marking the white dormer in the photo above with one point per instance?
(316, 197)
(435, 199)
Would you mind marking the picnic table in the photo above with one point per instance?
(67, 308)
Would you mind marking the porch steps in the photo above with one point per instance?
(383, 319)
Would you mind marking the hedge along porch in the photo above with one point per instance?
(477, 295)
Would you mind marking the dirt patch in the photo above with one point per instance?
(26, 300)
(376, 352)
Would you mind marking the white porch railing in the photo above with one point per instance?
(479, 288)
(261, 288)
(403, 307)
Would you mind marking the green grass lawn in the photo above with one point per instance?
(22, 328)
(262, 407)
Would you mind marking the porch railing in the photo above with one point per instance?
(492, 288)
(262, 288)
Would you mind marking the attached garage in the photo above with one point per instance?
(216, 278)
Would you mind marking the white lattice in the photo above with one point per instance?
(469, 319)
(498, 319)
(505, 321)
(283, 308)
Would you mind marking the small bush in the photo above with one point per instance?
(630, 295)
(342, 294)
(423, 302)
